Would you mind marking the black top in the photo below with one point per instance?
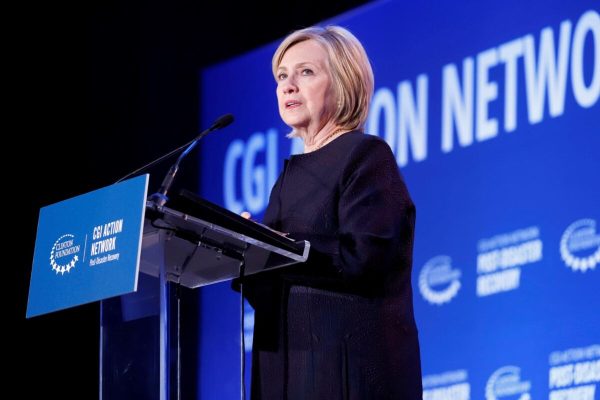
(339, 326)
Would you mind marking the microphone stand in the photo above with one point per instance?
(160, 198)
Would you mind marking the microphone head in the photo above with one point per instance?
(222, 122)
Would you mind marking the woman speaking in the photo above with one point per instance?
(341, 325)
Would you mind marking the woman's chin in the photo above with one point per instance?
(295, 125)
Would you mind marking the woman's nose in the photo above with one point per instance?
(289, 86)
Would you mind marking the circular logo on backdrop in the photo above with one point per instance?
(438, 282)
(64, 254)
(580, 245)
(506, 383)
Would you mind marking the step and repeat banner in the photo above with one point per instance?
(492, 110)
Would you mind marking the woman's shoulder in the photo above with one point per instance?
(357, 143)
(357, 140)
(360, 138)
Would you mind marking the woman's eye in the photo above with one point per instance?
(307, 71)
(281, 76)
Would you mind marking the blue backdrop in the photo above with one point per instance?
(492, 110)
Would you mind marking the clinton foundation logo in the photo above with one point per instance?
(505, 383)
(64, 254)
(580, 245)
(438, 281)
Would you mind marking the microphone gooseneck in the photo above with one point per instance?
(160, 197)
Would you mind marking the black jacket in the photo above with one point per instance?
(341, 325)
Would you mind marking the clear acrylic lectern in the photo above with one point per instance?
(190, 243)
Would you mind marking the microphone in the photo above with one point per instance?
(160, 197)
(221, 122)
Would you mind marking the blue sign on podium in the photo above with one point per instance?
(88, 247)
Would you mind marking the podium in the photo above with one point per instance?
(188, 243)
(192, 245)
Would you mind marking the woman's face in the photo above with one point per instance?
(304, 89)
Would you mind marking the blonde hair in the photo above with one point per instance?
(351, 71)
